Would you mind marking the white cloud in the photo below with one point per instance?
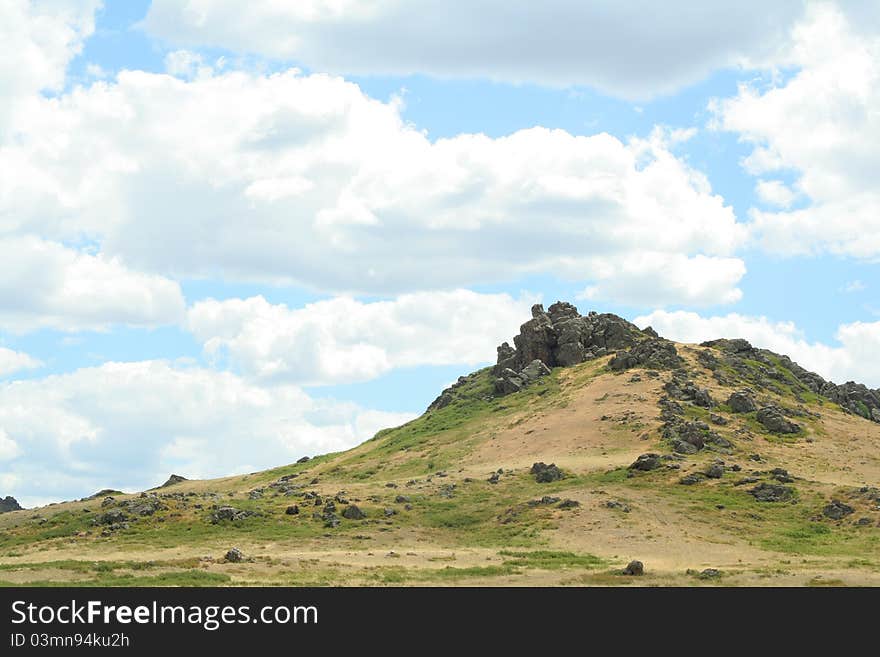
(8, 447)
(45, 284)
(633, 49)
(823, 122)
(650, 279)
(856, 357)
(342, 340)
(775, 192)
(39, 39)
(306, 180)
(12, 361)
(128, 425)
(853, 286)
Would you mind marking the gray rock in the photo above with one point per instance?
(8, 504)
(715, 471)
(352, 512)
(172, 480)
(234, 555)
(230, 513)
(765, 492)
(634, 568)
(546, 500)
(773, 419)
(646, 462)
(545, 473)
(742, 402)
(837, 510)
(292, 510)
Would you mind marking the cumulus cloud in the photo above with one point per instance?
(128, 425)
(775, 192)
(45, 284)
(823, 122)
(12, 361)
(341, 340)
(855, 358)
(39, 39)
(305, 179)
(632, 49)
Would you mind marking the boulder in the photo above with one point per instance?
(837, 510)
(646, 462)
(292, 510)
(634, 568)
(773, 419)
(234, 555)
(765, 492)
(742, 402)
(546, 473)
(352, 512)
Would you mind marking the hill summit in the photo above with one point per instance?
(592, 453)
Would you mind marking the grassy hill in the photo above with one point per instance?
(450, 498)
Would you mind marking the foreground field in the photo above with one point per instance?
(449, 499)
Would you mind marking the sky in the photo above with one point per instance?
(233, 234)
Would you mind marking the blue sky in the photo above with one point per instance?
(267, 224)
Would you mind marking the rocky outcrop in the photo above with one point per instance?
(8, 504)
(653, 353)
(560, 337)
(765, 367)
(173, 479)
(510, 381)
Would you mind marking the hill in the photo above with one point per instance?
(590, 444)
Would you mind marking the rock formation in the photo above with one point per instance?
(561, 337)
(9, 503)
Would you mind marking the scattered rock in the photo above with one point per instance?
(837, 510)
(773, 419)
(781, 475)
(568, 504)
(742, 402)
(234, 555)
(692, 478)
(614, 504)
(494, 478)
(710, 573)
(352, 512)
(634, 568)
(111, 517)
(646, 462)
(715, 471)
(401, 499)
(765, 492)
(544, 501)
(292, 510)
(231, 513)
(546, 473)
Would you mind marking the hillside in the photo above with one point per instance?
(590, 444)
